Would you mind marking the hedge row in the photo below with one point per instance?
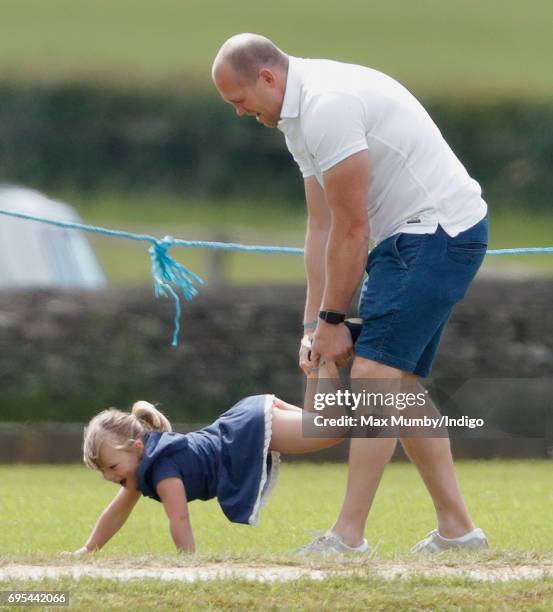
(92, 138)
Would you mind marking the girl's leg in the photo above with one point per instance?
(322, 380)
(325, 379)
(291, 425)
(288, 436)
(278, 403)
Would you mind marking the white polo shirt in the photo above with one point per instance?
(332, 110)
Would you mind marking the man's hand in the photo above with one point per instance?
(305, 352)
(332, 343)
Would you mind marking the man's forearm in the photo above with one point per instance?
(315, 256)
(346, 259)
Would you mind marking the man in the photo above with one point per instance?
(369, 152)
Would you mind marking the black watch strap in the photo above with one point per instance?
(332, 317)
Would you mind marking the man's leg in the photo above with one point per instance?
(413, 282)
(368, 457)
(433, 459)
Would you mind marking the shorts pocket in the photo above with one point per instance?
(470, 246)
(407, 247)
(468, 253)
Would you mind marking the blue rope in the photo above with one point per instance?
(523, 251)
(169, 276)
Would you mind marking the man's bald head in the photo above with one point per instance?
(250, 72)
(247, 54)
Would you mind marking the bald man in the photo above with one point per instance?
(371, 157)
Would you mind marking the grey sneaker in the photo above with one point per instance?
(435, 543)
(331, 543)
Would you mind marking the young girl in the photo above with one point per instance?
(235, 459)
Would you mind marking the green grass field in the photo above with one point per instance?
(52, 509)
(126, 263)
(465, 47)
(45, 510)
(361, 592)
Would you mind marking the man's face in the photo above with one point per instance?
(261, 99)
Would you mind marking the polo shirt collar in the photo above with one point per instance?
(292, 93)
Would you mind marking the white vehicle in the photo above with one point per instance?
(34, 254)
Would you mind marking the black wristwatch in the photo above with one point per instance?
(332, 317)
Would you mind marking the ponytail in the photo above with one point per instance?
(120, 429)
(151, 418)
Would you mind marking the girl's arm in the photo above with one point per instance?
(111, 520)
(172, 494)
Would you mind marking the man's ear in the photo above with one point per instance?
(268, 76)
(139, 446)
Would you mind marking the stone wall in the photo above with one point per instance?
(65, 355)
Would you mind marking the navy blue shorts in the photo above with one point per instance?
(413, 282)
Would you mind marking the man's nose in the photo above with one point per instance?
(240, 111)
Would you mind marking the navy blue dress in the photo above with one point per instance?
(229, 459)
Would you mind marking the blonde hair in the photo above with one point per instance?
(122, 429)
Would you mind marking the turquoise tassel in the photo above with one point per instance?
(170, 277)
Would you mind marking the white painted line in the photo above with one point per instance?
(275, 573)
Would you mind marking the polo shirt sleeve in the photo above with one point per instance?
(164, 467)
(301, 157)
(334, 128)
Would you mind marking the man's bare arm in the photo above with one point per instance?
(316, 238)
(346, 189)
